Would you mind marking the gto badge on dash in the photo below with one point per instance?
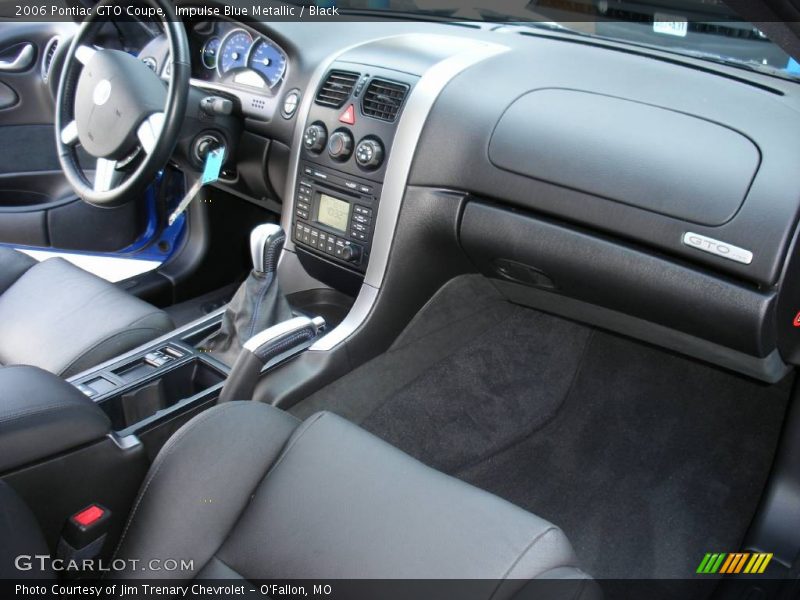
(712, 246)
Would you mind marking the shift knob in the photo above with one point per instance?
(266, 243)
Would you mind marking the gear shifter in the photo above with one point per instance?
(258, 303)
(273, 344)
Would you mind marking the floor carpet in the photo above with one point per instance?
(646, 459)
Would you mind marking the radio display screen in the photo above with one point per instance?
(333, 212)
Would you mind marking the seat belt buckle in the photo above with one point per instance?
(84, 534)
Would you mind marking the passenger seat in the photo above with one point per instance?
(58, 317)
(248, 492)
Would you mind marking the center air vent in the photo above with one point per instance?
(336, 88)
(383, 99)
(47, 58)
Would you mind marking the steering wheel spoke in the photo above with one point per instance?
(84, 54)
(106, 176)
(69, 134)
(149, 131)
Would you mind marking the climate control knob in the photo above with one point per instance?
(315, 138)
(351, 253)
(369, 153)
(340, 146)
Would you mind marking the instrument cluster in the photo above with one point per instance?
(226, 52)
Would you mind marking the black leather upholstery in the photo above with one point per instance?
(65, 320)
(20, 535)
(247, 491)
(12, 265)
(42, 415)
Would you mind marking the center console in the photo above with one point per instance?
(346, 146)
(334, 215)
(145, 389)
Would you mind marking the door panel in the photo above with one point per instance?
(34, 104)
(27, 148)
(37, 207)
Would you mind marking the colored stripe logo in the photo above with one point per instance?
(734, 563)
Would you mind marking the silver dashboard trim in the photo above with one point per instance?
(466, 53)
(357, 314)
(412, 120)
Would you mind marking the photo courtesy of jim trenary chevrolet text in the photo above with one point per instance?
(400, 299)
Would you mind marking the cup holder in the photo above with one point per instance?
(185, 382)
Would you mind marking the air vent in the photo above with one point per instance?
(336, 88)
(47, 57)
(383, 99)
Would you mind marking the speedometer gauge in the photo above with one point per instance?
(209, 52)
(266, 59)
(233, 51)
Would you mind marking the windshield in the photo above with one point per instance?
(706, 29)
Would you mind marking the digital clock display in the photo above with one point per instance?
(333, 212)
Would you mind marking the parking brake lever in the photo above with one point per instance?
(268, 347)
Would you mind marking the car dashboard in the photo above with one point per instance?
(232, 58)
(232, 54)
(640, 192)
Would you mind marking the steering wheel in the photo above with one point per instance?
(119, 111)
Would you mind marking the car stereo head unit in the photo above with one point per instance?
(334, 215)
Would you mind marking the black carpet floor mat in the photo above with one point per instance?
(646, 459)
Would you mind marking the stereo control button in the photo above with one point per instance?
(351, 253)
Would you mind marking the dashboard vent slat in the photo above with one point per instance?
(383, 99)
(336, 88)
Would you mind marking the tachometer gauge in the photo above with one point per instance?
(233, 51)
(210, 51)
(266, 59)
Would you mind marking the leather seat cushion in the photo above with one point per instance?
(247, 491)
(65, 320)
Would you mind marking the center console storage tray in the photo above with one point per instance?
(189, 381)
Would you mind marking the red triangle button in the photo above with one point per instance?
(348, 116)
